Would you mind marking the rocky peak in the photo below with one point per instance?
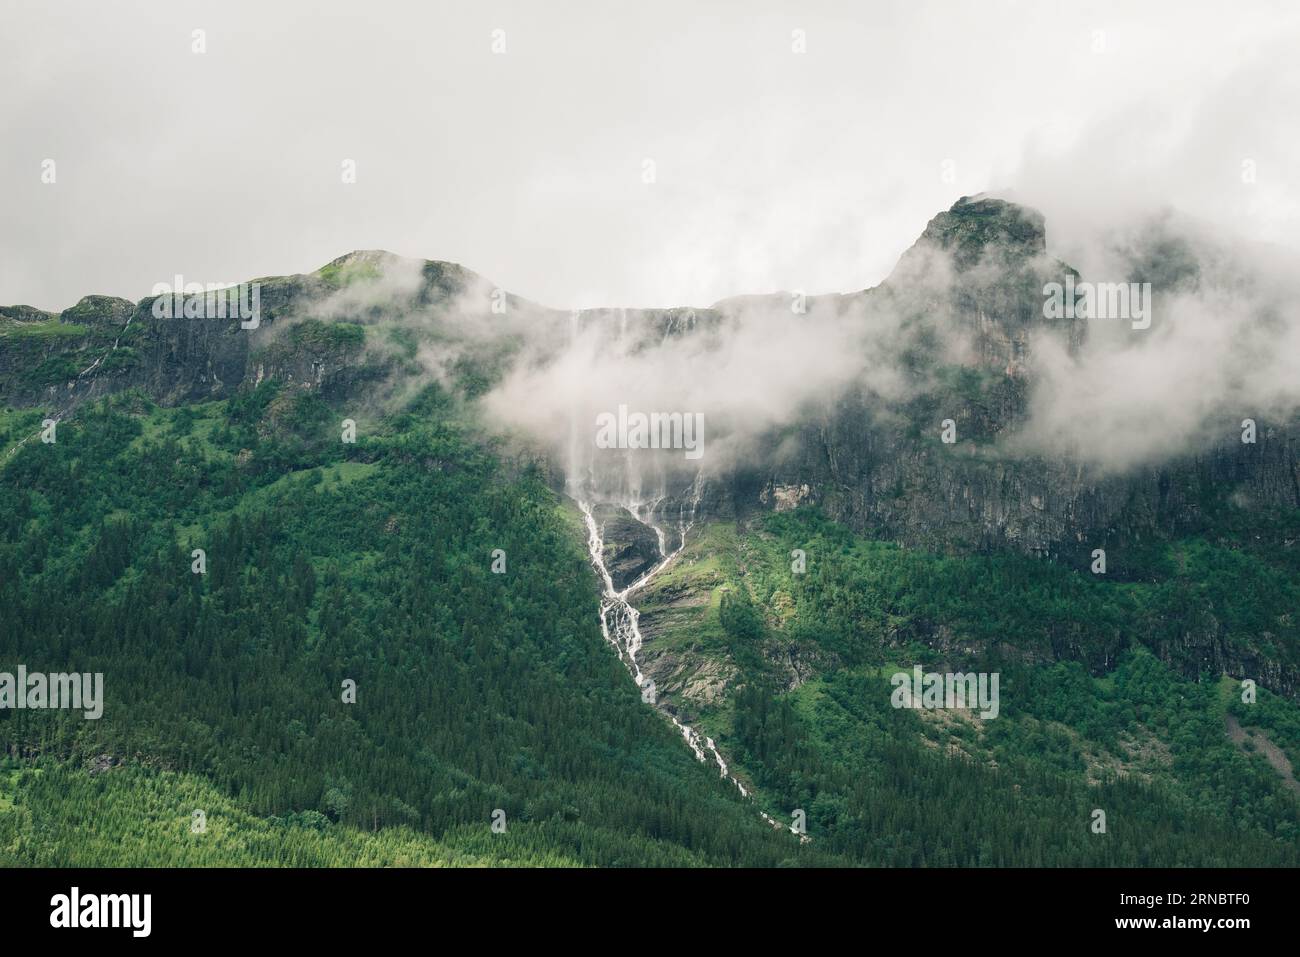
(99, 311)
(409, 281)
(26, 314)
(972, 284)
(976, 227)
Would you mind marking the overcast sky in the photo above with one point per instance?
(773, 169)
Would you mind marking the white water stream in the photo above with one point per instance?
(591, 485)
(620, 622)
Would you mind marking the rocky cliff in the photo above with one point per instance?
(964, 307)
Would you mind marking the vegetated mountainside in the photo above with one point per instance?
(967, 301)
(881, 468)
(476, 692)
(788, 670)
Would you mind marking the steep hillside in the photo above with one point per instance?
(327, 568)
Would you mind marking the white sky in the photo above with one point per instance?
(774, 170)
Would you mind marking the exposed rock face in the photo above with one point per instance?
(873, 476)
(974, 282)
(783, 498)
(631, 547)
(968, 297)
(310, 331)
(883, 468)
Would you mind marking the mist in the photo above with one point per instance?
(1221, 347)
(770, 150)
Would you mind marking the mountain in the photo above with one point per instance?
(480, 568)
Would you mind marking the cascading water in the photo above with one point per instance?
(594, 484)
(620, 622)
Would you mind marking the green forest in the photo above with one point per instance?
(481, 696)
(1090, 717)
(326, 562)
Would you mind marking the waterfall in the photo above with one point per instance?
(620, 622)
(617, 482)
